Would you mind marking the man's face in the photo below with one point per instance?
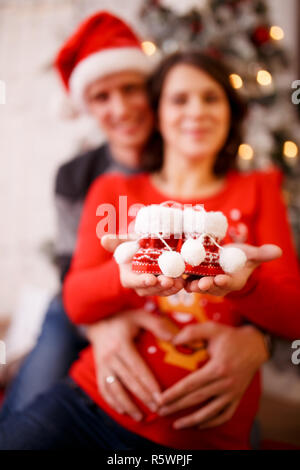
(120, 105)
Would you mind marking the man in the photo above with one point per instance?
(103, 69)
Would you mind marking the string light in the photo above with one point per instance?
(235, 80)
(245, 152)
(149, 47)
(264, 77)
(290, 149)
(276, 33)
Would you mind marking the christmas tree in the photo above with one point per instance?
(240, 33)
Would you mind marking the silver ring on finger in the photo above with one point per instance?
(110, 379)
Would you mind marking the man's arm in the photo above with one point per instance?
(68, 212)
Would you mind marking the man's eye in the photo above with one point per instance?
(178, 99)
(100, 97)
(132, 88)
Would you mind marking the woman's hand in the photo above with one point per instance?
(223, 284)
(235, 355)
(143, 284)
(116, 356)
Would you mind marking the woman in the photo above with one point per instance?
(196, 107)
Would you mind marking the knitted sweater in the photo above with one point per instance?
(92, 290)
(72, 183)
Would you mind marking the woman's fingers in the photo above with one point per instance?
(222, 281)
(111, 241)
(149, 284)
(107, 395)
(158, 290)
(206, 283)
(133, 280)
(225, 415)
(165, 282)
(205, 413)
(195, 398)
(139, 368)
(114, 392)
(261, 254)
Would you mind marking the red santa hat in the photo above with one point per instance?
(102, 44)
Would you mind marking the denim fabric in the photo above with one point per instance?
(66, 418)
(57, 347)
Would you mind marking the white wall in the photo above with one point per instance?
(33, 140)
(283, 13)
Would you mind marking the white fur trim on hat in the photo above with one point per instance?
(104, 63)
(197, 222)
(159, 220)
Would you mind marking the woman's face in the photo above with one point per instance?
(194, 113)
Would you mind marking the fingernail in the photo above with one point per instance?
(162, 412)
(178, 425)
(157, 397)
(168, 336)
(152, 406)
(137, 416)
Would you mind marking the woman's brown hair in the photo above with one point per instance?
(152, 157)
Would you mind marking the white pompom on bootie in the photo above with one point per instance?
(171, 263)
(193, 251)
(126, 251)
(232, 259)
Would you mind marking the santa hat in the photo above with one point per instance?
(102, 44)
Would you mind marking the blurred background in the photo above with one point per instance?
(39, 131)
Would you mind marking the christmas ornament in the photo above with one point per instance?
(184, 7)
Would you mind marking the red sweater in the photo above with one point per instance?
(92, 290)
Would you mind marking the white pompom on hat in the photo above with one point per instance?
(102, 44)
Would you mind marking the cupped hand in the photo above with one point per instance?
(223, 284)
(235, 354)
(144, 284)
(116, 356)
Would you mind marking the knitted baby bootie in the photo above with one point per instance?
(175, 241)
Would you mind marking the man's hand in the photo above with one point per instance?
(116, 355)
(235, 355)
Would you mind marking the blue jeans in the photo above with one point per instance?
(57, 347)
(66, 418)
